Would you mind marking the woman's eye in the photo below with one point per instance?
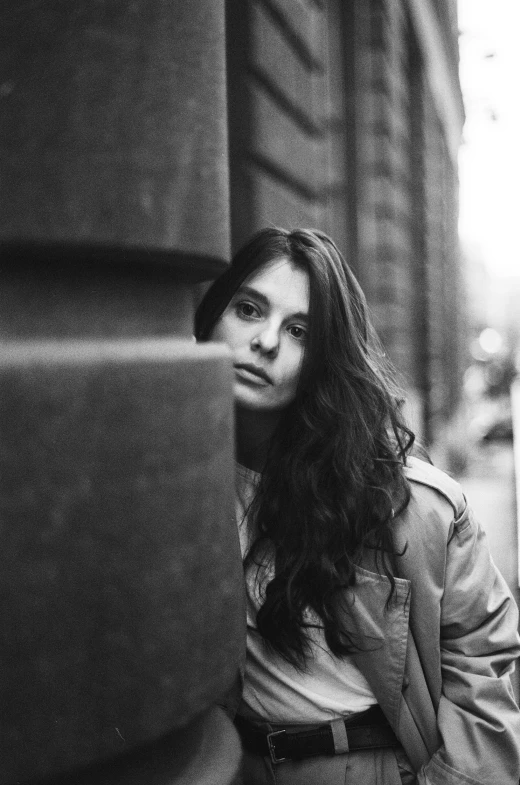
(300, 333)
(247, 310)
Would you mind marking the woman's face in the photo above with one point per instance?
(266, 325)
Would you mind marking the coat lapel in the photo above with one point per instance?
(382, 633)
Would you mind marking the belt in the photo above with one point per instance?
(366, 730)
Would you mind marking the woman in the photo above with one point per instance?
(380, 637)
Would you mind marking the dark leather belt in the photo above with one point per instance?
(367, 730)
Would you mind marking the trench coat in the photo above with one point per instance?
(441, 653)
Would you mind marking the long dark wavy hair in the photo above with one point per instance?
(333, 480)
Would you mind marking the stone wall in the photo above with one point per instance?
(121, 580)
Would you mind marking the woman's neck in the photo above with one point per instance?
(253, 435)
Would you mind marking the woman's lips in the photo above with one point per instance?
(252, 374)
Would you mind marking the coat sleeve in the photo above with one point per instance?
(478, 719)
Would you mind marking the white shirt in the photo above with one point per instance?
(330, 687)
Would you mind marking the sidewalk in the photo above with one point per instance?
(489, 484)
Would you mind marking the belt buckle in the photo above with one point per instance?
(270, 744)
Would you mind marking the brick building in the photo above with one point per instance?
(346, 116)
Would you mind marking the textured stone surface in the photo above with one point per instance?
(120, 576)
(113, 125)
(206, 752)
(67, 301)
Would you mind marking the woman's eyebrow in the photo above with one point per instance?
(301, 316)
(250, 292)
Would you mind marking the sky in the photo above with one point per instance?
(489, 162)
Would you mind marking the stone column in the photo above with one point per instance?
(120, 574)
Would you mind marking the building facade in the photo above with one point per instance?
(346, 116)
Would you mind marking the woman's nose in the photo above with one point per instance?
(267, 341)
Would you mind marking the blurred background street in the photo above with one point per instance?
(489, 171)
